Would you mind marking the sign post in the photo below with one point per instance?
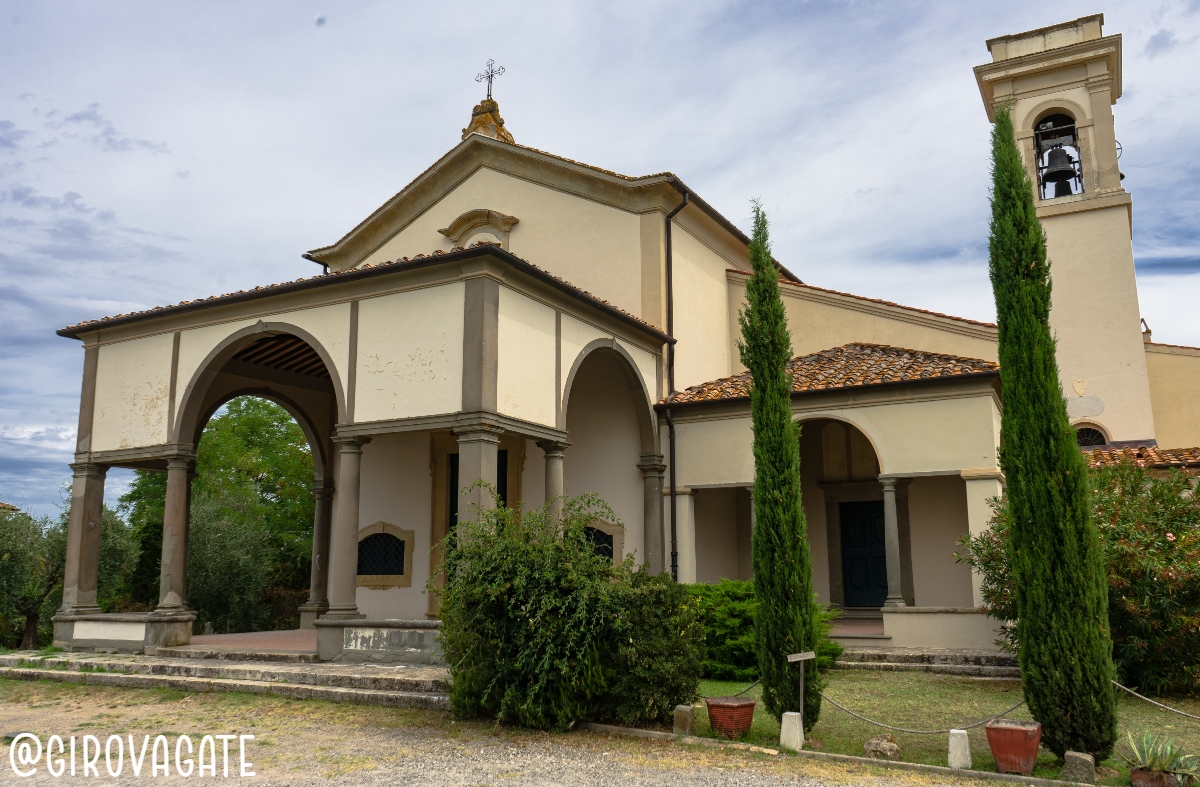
(791, 729)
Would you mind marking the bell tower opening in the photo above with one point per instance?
(1056, 145)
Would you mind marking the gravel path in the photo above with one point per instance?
(318, 743)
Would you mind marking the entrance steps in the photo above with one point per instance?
(390, 685)
(970, 663)
(227, 654)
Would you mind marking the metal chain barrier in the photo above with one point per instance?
(1152, 702)
(919, 732)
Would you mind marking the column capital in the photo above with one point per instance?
(651, 465)
(85, 469)
(478, 433)
(322, 487)
(889, 483)
(553, 447)
(181, 461)
(350, 444)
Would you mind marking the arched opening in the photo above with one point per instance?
(607, 419)
(1089, 435)
(1059, 162)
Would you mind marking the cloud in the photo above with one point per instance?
(10, 135)
(1160, 43)
(106, 136)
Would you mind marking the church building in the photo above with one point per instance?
(555, 328)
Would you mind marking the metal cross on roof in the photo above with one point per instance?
(490, 74)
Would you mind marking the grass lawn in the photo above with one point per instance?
(919, 700)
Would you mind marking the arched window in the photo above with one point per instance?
(608, 539)
(384, 556)
(1086, 436)
(1059, 173)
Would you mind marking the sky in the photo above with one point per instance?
(153, 152)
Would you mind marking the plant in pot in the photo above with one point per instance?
(1158, 761)
(1014, 744)
(730, 717)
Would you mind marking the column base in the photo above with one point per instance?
(310, 612)
(894, 602)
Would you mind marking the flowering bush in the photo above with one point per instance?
(1150, 529)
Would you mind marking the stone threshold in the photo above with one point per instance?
(958, 773)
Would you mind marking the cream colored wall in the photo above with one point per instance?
(397, 488)
(533, 476)
(813, 497)
(716, 535)
(1174, 374)
(701, 311)
(918, 436)
(593, 246)
(1096, 321)
(194, 346)
(576, 334)
(937, 516)
(821, 320)
(410, 351)
(647, 366)
(605, 445)
(525, 377)
(133, 382)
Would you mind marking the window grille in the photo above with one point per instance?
(1087, 436)
(602, 543)
(381, 554)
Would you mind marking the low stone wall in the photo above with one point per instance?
(950, 628)
(123, 632)
(383, 641)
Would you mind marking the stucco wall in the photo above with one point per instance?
(397, 488)
(533, 476)
(194, 346)
(909, 437)
(1175, 394)
(937, 516)
(701, 311)
(716, 535)
(605, 444)
(133, 382)
(525, 374)
(593, 246)
(1096, 321)
(410, 351)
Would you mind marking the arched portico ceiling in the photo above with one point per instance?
(284, 352)
(612, 350)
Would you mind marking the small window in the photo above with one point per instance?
(1087, 436)
(385, 555)
(381, 553)
(602, 543)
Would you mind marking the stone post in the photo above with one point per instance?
(555, 482)
(891, 538)
(478, 448)
(652, 468)
(318, 585)
(82, 569)
(343, 541)
(172, 587)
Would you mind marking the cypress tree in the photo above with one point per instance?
(1058, 567)
(786, 620)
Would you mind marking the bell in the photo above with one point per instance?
(1058, 167)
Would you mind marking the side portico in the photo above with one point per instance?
(411, 379)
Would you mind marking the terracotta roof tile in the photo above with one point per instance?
(848, 366)
(268, 289)
(1146, 457)
(8, 507)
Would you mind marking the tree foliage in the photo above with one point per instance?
(1057, 561)
(250, 544)
(1150, 531)
(540, 630)
(787, 614)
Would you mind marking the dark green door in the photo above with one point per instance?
(864, 558)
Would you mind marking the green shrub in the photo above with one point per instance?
(1150, 530)
(727, 612)
(541, 631)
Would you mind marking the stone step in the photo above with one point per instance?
(201, 652)
(360, 696)
(967, 670)
(422, 680)
(916, 656)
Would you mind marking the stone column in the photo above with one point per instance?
(172, 586)
(83, 540)
(555, 482)
(685, 535)
(318, 585)
(343, 541)
(891, 538)
(982, 486)
(652, 468)
(477, 460)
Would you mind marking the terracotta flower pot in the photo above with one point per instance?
(730, 717)
(1014, 744)
(1140, 777)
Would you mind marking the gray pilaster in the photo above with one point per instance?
(478, 448)
(172, 588)
(555, 480)
(343, 541)
(891, 538)
(481, 326)
(652, 468)
(82, 568)
(318, 586)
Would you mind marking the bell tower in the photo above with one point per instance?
(1060, 83)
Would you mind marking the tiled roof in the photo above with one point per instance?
(8, 507)
(848, 366)
(458, 252)
(1146, 457)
